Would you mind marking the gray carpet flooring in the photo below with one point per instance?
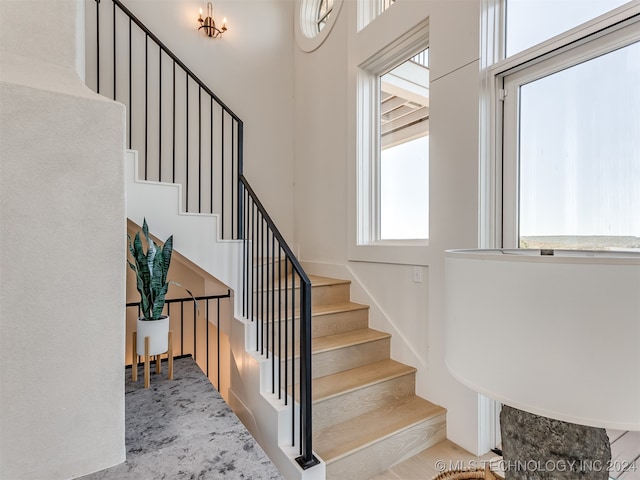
(183, 429)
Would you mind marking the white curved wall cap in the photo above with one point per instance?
(557, 336)
(306, 38)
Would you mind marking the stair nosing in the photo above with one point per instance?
(341, 307)
(321, 281)
(377, 336)
(438, 411)
(407, 370)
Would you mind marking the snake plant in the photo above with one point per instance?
(151, 269)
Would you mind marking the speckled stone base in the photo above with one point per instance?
(540, 448)
(183, 429)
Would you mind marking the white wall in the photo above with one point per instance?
(325, 180)
(250, 69)
(62, 231)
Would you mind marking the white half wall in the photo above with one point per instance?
(195, 236)
(62, 265)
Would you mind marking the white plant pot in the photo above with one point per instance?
(158, 333)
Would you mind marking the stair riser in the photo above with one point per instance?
(349, 405)
(338, 360)
(341, 322)
(380, 456)
(321, 325)
(287, 300)
(346, 322)
(275, 268)
(330, 294)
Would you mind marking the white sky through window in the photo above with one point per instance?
(579, 130)
(530, 22)
(580, 149)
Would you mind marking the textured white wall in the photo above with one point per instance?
(62, 269)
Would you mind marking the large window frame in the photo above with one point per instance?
(491, 179)
(368, 137)
(509, 83)
(499, 172)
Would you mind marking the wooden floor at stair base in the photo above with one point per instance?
(366, 445)
(431, 462)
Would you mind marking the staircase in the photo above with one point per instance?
(366, 416)
(357, 408)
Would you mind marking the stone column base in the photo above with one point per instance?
(540, 448)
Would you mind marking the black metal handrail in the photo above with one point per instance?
(281, 290)
(199, 140)
(203, 313)
(195, 136)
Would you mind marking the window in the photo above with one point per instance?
(529, 23)
(368, 10)
(571, 155)
(392, 153)
(404, 156)
(314, 22)
(324, 10)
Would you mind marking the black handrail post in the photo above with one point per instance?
(307, 459)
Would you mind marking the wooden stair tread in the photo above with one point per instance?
(341, 340)
(320, 281)
(316, 281)
(349, 380)
(339, 440)
(317, 310)
(320, 310)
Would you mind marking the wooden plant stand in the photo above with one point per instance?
(147, 360)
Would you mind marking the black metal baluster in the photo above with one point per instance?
(186, 137)
(173, 177)
(195, 329)
(98, 46)
(181, 328)
(233, 178)
(130, 86)
(159, 114)
(114, 51)
(261, 280)
(266, 288)
(146, 102)
(252, 269)
(222, 173)
(293, 356)
(279, 321)
(206, 327)
(240, 172)
(273, 314)
(211, 155)
(200, 150)
(245, 273)
(218, 337)
(286, 325)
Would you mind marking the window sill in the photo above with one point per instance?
(399, 252)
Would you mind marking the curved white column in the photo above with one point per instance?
(557, 336)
